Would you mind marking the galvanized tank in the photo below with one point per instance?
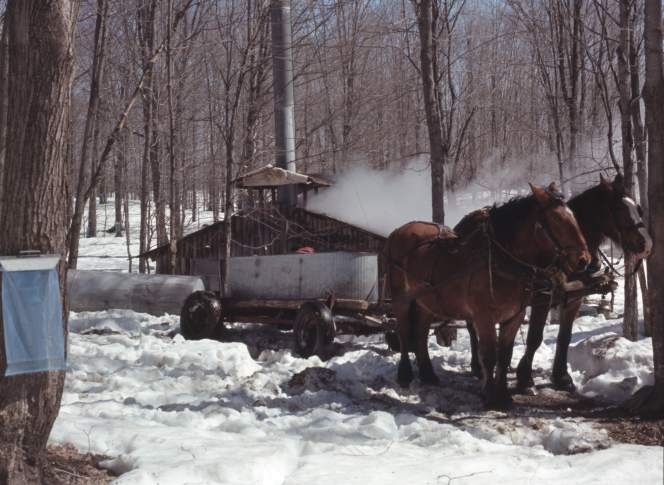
(305, 276)
(93, 291)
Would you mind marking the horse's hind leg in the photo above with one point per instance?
(560, 377)
(487, 355)
(524, 372)
(475, 366)
(405, 327)
(427, 374)
(508, 331)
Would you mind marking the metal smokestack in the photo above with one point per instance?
(282, 73)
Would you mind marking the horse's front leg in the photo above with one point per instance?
(524, 371)
(508, 330)
(475, 366)
(559, 376)
(405, 328)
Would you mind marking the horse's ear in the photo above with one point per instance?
(603, 182)
(552, 188)
(619, 184)
(541, 195)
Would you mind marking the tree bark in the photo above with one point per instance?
(631, 313)
(424, 10)
(174, 201)
(118, 182)
(146, 19)
(653, 95)
(3, 99)
(40, 63)
(90, 122)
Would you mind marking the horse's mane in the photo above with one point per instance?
(505, 217)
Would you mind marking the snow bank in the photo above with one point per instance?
(171, 411)
(611, 366)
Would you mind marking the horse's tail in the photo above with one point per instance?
(386, 262)
(412, 321)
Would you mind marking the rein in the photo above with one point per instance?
(613, 269)
(608, 262)
(541, 279)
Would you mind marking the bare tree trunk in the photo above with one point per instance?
(213, 192)
(146, 18)
(4, 83)
(424, 10)
(228, 216)
(651, 400)
(631, 311)
(92, 200)
(155, 170)
(641, 163)
(90, 121)
(173, 200)
(125, 203)
(118, 182)
(40, 63)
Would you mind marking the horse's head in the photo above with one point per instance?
(557, 232)
(622, 218)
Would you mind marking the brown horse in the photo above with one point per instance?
(602, 211)
(489, 276)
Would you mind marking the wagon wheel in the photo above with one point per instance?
(313, 330)
(201, 316)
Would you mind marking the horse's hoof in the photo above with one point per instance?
(496, 398)
(524, 374)
(563, 383)
(430, 379)
(404, 376)
(404, 384)
(523, 384)
(527, 390)
(499, 403)
(476, 371)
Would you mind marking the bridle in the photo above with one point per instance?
(562, 251)
(620, 208)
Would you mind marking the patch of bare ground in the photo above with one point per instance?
(68, 466)
(621, 426)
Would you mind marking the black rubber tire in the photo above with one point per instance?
(201, 316)
(313, 330)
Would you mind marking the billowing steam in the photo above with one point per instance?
(382, 200)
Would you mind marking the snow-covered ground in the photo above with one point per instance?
(171, 411)
(109, 253)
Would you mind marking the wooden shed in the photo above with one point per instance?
(262, 231)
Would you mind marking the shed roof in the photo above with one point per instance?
(268, 177)
(296, 213)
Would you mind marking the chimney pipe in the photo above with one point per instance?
(282, 73)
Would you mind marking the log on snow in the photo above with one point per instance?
(154, 294)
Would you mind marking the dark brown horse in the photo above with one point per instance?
(602, 212)
(489, 276)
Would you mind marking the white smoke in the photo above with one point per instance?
(382, 200)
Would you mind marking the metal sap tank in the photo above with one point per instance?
(93, 291)
(305, 276)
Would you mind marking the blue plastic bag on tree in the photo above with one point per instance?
(32, 316)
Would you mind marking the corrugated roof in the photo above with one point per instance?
(271, 177)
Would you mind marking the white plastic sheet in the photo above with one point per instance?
(32, 315)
